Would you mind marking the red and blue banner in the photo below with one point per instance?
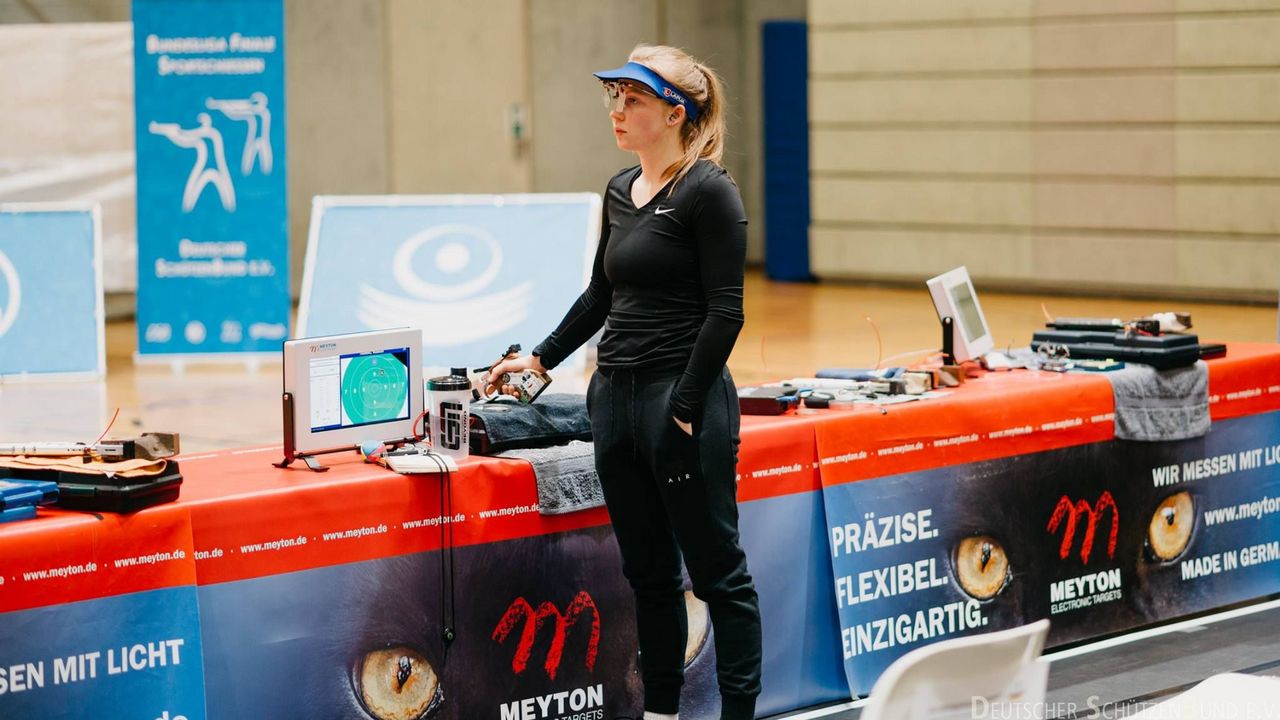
(991, 526)
(99, 616)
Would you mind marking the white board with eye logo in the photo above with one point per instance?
(51, 308)
(475, 273)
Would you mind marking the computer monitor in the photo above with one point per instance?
(954, 297)
(344, 390)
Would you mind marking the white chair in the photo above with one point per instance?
(964, 677)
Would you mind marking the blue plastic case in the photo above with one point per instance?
(26, 493)
(22, 512)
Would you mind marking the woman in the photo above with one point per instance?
(667, 287)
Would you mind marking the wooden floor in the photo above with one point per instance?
(791, 330)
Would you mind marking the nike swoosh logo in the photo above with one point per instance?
(662, 211)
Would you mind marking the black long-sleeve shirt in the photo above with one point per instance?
(666, 284)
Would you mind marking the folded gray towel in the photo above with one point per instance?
(1154, 405)
(567, 480)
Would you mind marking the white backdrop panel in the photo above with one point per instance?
(66, 127)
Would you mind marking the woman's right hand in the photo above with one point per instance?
(510, 365)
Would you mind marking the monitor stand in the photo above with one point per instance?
(290, 449)
(291, 453)
(310, 460)
(948, 341)
(950, 367)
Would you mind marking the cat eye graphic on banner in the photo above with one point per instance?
(13, 294)
(455, 251)
(474, 272)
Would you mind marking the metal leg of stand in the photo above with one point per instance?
(313, 463)
(310, 460)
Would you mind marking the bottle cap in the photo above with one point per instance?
(445, 383)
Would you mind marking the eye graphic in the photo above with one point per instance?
(397, 684)
(1171, 526)
(981, 566)
(458, 261)
(699, 624)
(449, 270)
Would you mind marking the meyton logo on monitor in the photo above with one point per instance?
(325, 346)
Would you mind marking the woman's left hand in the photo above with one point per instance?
(686, 427)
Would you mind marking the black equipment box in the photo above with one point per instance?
(80, 491)
(1162, 352)
(765, 400)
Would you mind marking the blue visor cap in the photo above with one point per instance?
(639, 73)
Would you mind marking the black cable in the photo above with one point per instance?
(450, 631)
(448, 622)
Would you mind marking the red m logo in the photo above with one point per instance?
(520, 609)
(1072, 512)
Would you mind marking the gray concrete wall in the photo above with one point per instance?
(573, 148)
(337, 131)
(457, 70)
(64, 11)
(1111, 147)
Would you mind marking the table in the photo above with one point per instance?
(275, 593)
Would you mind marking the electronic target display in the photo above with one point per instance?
(358, 389)
(341, 391)
(954, 297)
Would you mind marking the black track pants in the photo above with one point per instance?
(672, 495)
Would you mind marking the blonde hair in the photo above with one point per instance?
(703, 137)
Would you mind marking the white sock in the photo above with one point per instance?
(655, 716)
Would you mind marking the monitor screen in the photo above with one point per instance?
(359, 389)
(345, 390)
(967, 310)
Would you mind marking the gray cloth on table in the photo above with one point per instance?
(1154, 405)
(567, 480)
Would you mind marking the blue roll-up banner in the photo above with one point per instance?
(474, 272)
(51, 291)
(212, 215)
